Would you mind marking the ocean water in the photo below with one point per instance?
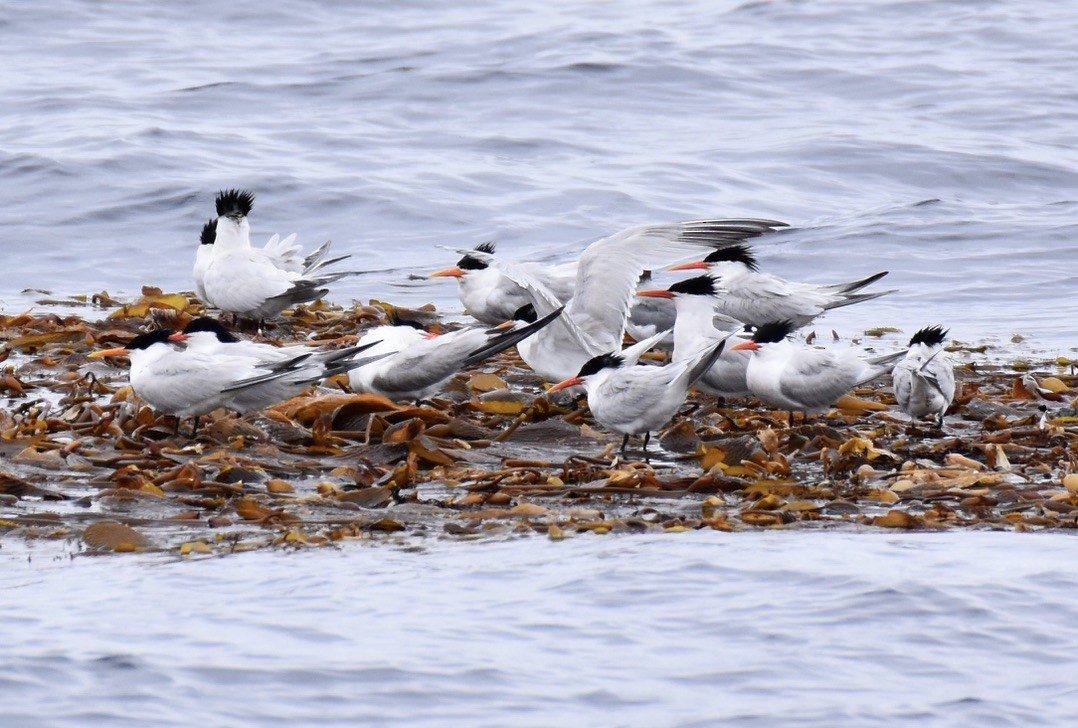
(934, 139)
(694, 629)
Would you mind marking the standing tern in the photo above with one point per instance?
(695, 328)
(416, 365)
(217, 371)
(255, 283)
(758, 298)
(596, 316)
(799, 378)
(634, 400)
(924, 380)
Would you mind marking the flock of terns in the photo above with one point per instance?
(729, 329)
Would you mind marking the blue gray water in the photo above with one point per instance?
(694, 629)
(933, 139)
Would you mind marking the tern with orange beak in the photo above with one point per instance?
(695, 328)
(491, 297)
(635, 400)
(924, 380)
(758, 298)
(596, 316)
(417, 365)
(191, 374)
(804, 379)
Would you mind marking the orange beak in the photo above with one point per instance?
(695, 265)
(447, 273)
(655, 293)
(570, 382)
(178, 338)
(745, 346)
(505, 325)
(118, 351)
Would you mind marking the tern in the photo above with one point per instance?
(416, 364)
(802, 379)
(596, 316)
(758, 298)
(256, 283)
(924, 380)
(217, 371)
(489, 296)
(634, 400)
(695, 328)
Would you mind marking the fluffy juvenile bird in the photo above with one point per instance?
(758, 298)
(798, 378)
(251, 282)
(924, 380)
(634, 400)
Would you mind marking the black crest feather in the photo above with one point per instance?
(205, 323)
(930, 336)
(526, 313)
(598, 363)
(145, 341)
(235, 203)
(772, 332)
(698, 286)
(209, 233)
(735, 254)
(469, 262)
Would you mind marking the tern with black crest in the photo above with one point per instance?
(695, 328)
(596, 316)
(191, 374)
(758, 298)
(256, 283)
(924, 380)
(636, 400)
(416, 365)
(799, 378)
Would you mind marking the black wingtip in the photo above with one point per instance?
(234, 203)
(734, 254)
(773, 332)
(930, 336)
(698, 286)
(209, 232)
(526, 313)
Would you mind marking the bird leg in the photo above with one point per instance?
(647, 438)
(624, 443)
(194, 428)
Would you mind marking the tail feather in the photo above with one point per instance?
(858, 298)
(705, 360)
(341, 362)
(881, 365)
(851, 286)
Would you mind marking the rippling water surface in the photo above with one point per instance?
(701, 628)
(933, 139)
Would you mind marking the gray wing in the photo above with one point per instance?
(815, 379)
